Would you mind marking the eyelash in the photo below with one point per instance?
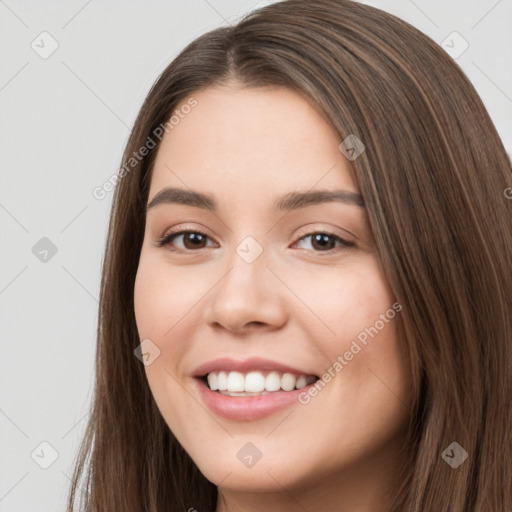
(168, 237)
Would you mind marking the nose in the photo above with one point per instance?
(247, 297)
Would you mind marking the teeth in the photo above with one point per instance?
(273, 382)
(213, 381)
(236, 381)
(256, 383)
(301, 382)
(288, 381)
(222, 381)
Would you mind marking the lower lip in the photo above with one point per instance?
(247, 408)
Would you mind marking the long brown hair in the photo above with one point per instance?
(433, 176)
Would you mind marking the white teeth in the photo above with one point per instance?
(213, 381)
(301, 382)
(288, 381)
(236, 381)
(255, 382)
(222, 381)
(273, 382)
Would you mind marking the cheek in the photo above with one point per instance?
(167, 304)
(343, 301)
(163, 296)
(353, 319)
(158, 310)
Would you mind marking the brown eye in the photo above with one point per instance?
(325, 242)
(194, 240)
(187, 240)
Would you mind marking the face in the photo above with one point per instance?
(270, 283)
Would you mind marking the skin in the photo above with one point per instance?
(297, 303)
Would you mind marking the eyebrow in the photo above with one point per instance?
(291, 201)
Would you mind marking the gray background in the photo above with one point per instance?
(64, 122)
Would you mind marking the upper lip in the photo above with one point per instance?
(246, 365)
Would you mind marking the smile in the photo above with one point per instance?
(247, 405)
(256, 383)
(250, 389)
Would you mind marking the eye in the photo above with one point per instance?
(323, 241)
(190, 239)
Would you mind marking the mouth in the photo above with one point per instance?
(251, 389)
(255, 383)
(251, 396)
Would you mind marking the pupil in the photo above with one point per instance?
(195, 238)
(323, 240)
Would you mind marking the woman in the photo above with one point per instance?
(306, 293)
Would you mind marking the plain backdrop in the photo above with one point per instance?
(72, 78)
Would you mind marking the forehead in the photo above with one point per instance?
(252, 138)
